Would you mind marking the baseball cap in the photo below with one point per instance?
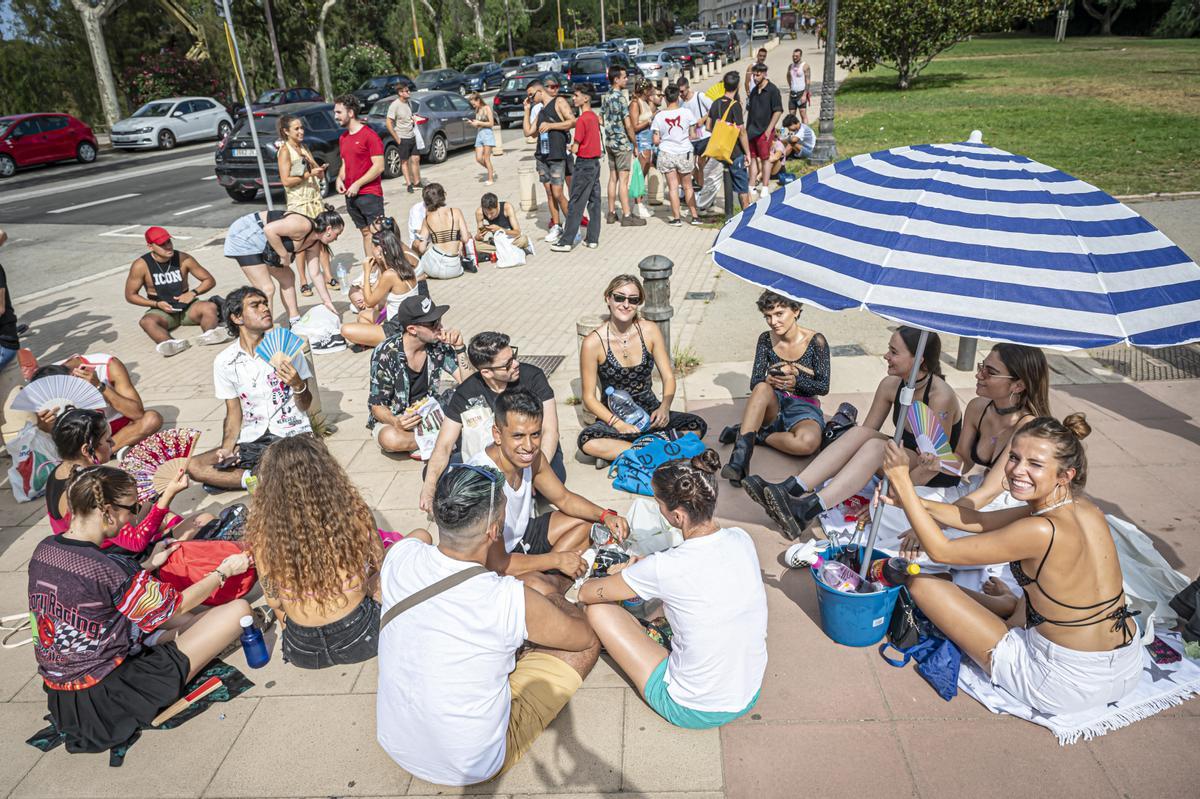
(157, 235)
(419, 311)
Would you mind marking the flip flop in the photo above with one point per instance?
(306, 290)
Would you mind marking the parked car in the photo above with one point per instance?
(592, 67)
(440, 116)
(163, 123)
(635, 46)
(236, 166)
(509, 102)
(657, 66)
(28, 139)
(612, 45)
(729, 42)
(696, 36)
(681, 53)
(273, 97)
(759, 30)
(549, 62)
(380, 86)
(483, 76)
(450, 80)
(516, 64)
(705, 51)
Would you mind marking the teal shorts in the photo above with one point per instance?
(662, 703)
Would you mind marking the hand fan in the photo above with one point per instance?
(58, 391)
(931, 437)
(279, 343)
(156, 461)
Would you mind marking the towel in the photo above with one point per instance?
(1163, 685)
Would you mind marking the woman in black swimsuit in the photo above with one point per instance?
(623, 353)
(1065, 646)
(849, 462)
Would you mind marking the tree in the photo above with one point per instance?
(1106, 11)
(355, 63)
(93, 13)
(905, 35)
(322, 54)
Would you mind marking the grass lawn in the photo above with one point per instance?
(1123, 114)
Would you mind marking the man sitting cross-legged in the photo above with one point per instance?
(128, 418)
(456, 705)
(494, 216)
(554, 539)
(262, 402)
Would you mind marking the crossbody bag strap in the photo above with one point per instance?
(429, 592)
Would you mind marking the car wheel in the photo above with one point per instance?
(330, 185)
(438, 149)
(7, 166)
(223, 130)
(85, 153)
(241, 195)
(166, 140)
(391, 161)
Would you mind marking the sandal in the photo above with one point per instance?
(333, 283)
(306, 289)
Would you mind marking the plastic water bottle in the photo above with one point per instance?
(342, 276)
(620, 403)
(253, 644)
(839, 577)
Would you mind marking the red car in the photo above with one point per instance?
(27, 139)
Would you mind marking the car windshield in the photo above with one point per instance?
(589, 66)
(268, 125)
(154, 110)
(546, 56)
(474, 69)
(380, 108)
(375, 83)
(270, 96)
(648, 58)
(426, 79)
(518, 83)
(5, 124)
(512, 62)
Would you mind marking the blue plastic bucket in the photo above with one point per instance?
(855, 619)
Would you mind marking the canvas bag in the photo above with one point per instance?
(724, 138)
(34, 459)
(633, 469)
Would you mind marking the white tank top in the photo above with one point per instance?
(518, 502)
(796, 77)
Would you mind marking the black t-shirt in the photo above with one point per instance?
(762, 104)
(418, 383)
(8, 318)
(473, 391)
(735, 118)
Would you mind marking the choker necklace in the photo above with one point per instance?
(1007, 411)
(1055, 506)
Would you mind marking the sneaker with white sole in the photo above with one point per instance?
(591, 245)
(554, 234)
(675, 222)
(171, 346)
(218, 335)
(697, 221)
(560, 247)
(334, 343)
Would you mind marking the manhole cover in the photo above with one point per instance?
(700, 295)
(843, 350)
(1141, 364)
(547, 363)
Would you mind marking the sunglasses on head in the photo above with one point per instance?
(633, 299)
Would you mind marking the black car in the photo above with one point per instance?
(705, 51)
(237, 168)
(273, 97)
(683, 54)
(509, 103)
(380, 86)
(518, 64)
(729, 42)
(449, 80)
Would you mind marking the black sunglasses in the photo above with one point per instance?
(507, 365)
(625, 298)
(135, 508)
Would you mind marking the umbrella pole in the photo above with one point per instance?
(906, 399)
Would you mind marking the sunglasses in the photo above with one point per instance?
(507, 364)
(135, 508)
(622, 299)
(981, 367)
(494, 478)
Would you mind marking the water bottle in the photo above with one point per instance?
(892, 571)
(620, 403)
(636, 607)
(342, 276)
(253, 644)
(839, 577)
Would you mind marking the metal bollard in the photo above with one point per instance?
(656, 277)
(965, 362)
(655, 187)
(728, 187)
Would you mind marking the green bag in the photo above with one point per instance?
(637, 181)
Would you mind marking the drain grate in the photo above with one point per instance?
(1139, 364)
(844, 350)
(547, 363)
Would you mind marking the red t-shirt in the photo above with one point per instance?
(587, 135)
(356, 150)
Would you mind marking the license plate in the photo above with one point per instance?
(516, 113)
(240, 152)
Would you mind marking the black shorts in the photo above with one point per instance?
(796, 101)
(364, 209)
(536, 540)
(408, 147)
(353, 638)
(249, 453)
(700, 145)
(111, 712)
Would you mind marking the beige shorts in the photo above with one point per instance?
(541, 686)
(669, 162)
(619, 160)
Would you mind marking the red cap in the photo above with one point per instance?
(157, 235)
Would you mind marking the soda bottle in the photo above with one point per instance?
(620, 403)
(839, 577)
(892, 571)
(253, 644)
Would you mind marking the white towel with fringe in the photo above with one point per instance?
(1163, 685)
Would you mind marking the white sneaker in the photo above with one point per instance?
(554, 234)
(218, 335)
(171, 346)
(644, 212)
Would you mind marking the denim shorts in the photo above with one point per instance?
(660, 702)
(738, 175)
(351, 639)
(486, 137)
(792, 411)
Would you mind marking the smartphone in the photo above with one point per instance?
(225, 464)
(775, 371)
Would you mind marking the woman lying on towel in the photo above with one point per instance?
(1065, 646)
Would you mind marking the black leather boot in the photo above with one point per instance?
(792, 514)
(730, 434)
(739, 459)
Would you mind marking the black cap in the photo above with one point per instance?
(419, 310)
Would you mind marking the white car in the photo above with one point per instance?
(166, 122)
(760, 31)
(635, 46)
(695, 37)
(548, 62)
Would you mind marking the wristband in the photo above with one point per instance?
(459, 350)
(300, 390)
(220, 576)
(604, 514)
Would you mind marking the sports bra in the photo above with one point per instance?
(1119, 616)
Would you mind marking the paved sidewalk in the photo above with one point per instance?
(831, 721)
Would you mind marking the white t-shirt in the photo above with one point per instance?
(674, 125)
(268, 404)
(416, 218)
(518, 502)
(443, 700)
(699, 105)
(805, 136)
(712, 593)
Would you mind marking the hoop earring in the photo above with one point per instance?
(1005, 484)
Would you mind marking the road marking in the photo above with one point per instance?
(189, 210)
(93, 202)
(117, 176)
(37, 295)
(210, 177)
(120, 234)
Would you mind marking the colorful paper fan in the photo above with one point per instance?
(931, 437)
(156, 461)
(58, 391)
(279, 342)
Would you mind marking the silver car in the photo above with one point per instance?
(635, 46)
(164, 123)
(657, 66)
(548, 62)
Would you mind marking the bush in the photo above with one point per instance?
(470, 50)
(168, 73)
(351, 65)
(1182, 20)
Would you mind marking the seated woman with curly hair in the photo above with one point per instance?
(318, 554)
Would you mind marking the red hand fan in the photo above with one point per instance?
(156, 461)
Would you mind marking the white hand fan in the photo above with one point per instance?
(279, 344)
(156, 461)
(58, 391)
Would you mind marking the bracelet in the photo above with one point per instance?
(604, 514)
(459, 350)
(300, 390)
(220, 575)
(612, 420)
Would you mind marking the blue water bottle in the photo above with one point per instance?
(253, 644)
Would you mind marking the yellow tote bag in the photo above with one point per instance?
(724, 138)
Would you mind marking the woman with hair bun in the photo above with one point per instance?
(711, 668)
(1066, 645)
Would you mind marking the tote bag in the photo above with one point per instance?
(724, 138)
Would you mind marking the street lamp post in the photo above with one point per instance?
(825, 150)
(603, 29)
(508, 28)
(416, 38)
(237, 57)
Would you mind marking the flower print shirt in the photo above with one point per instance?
(268, 405)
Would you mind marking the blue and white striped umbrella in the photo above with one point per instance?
(970, 240)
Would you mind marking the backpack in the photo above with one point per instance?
(633, 469)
